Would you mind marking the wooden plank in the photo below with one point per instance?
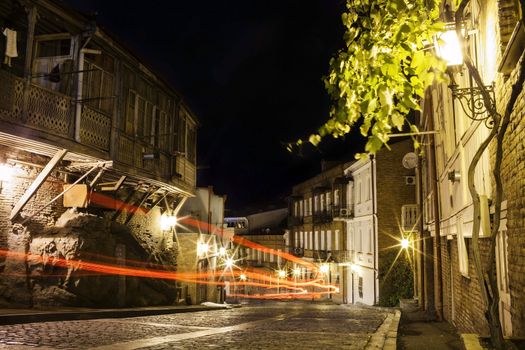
(115, 185)
(37, 183)
(138, 206)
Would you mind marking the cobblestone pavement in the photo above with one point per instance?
(268, 325)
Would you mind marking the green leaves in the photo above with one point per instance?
(384, 69)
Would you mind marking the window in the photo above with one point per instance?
(316, 241)
(322, 201)
(336, 240)
(301, 211)
(296, 209)
(336, 197)
(360, 287)
(329, 201)
(53, 63)
(316, 203)
(329, 240)
(310, 206)
(323, 242)
(98, 80)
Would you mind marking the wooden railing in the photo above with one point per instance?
(54, 113)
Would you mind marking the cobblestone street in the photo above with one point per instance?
(267, 325)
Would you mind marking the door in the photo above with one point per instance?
(503, 282)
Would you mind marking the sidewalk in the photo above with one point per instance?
(16, 316)
(419, 330)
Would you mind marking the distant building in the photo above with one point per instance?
(381, 213)
(348, 219)
(202, 245)
(86, 124)
(265, 233)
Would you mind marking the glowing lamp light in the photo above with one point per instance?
(296, 272)
(222, 251)
(242, 277)
(202, 248)
(6, 174)
(229, 263)
(405, 243)
(324, 268)
(354, 268)
(167, 222)
(448, 48)
(281, 273)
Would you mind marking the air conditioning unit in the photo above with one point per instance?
(410, 180)
(343, 212)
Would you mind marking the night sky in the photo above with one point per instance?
(252, 72)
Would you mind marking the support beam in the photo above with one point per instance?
(133, 211)
(114, 185)
(37, 183)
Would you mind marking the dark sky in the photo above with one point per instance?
(252, 72)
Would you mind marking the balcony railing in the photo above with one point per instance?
(53, 113)
(410, 217)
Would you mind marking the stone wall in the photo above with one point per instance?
(42, 251)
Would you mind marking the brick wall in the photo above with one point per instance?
(392, 193)
(513, 177)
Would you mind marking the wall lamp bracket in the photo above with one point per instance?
(473, 104)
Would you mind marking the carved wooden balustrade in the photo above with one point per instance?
(53, 113)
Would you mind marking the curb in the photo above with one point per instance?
(49, 316)
(385, 337)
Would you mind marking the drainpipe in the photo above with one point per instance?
(80, 85)
(420, 280)
(31, 23)
(438, 286)
(375, 223)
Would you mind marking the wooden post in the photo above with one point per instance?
(37, 183)
(31, 23)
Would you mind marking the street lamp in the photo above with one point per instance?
(167, 221)
(448, 47)
(405, 243)
(324, 268)
(6, 174)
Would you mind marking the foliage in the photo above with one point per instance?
(395, 276)
(378, 78)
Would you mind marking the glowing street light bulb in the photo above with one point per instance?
(229, 262)
(222, 251)
(324, 268)
(405, 243)
(202, 248)
(6, 172)
(282, 273)
(242, 277)
(448, 48)
(167, 221)
(296, 272)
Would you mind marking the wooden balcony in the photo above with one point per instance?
(31, 114)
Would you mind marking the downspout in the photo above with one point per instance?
(375, 223)
(421, 273)
(438, 285)
(80, 88)
(31, 24)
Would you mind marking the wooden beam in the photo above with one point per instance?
(115, 185)
(95, 180)
(130, 215)
(37, 183)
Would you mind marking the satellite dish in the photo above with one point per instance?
(410, 160)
